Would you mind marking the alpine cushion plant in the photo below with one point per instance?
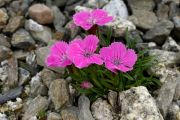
(96, 69)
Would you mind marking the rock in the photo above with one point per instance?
(31, 59)
(58, 3)
(3, 116)
(24, 76)
(112, 98)
(118, 27)
(4, 41)
(172, 111)
(117, 8)
(178, 116)
(171, 45)
(60, 98)
(33, 107)
(4, 53)
(62, 34)
(73, 29)
(176, 31)
(81, 8)
(41, 54)
(53, 116)
(70, 113)
(101, 110)
(96, 3)
(173, 10)
(162, 11)
(41, 13)
(23, 40)
(20, 54)
(3, 18)
(166, 93)
(37, 88)
(48, 76)
(141, 5)
(14, 23)
(11, 67)
(84, 108)
(3, 74)
(177, 93)
(14, 106)
(72, 8)
(11, 94)
(160, 32)
(137, 104)
(39, 32)
(166, 57)
(59, 18)
(141, 19)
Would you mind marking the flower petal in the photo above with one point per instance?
(90, 43)
(95, 59)
(53, 61)
(130, 58)
(83, 19)
(104, 53)
(110, 66)
(124, 68)
(101, 17)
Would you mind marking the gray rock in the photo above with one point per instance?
(162, 11)
(70, 113)
(96, 3)
(3, 116)
(172, 111)
(33, 107)
(160, 32)
(142, 46)
(74, 29)
(38, 32)
(20, 54)
(24, 76)
(178, 116)
(112, 98)
(118, 27)
(58, 3)
(37, 88)
(137, 104)
(23, 40)
(177, 93)
(41, 54)
(3, 18)
(166, 93)
(84, 108)
(48, 76)
(176, 31)
(13, 24)
(166, 57)
(117, 8)
(141, 19)
(4, 53)
(31, 59)
(81, 8)
(11, 94)
(53, 116)
(141, 5)
(59, 18)
(60, 98)
(4, 41)
(171, 45)
(101, 110)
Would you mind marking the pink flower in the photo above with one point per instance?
(86, 19)
(118, 57)
(82, 52)
(86, 85)
(58, 56)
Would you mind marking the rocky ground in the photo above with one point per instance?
(31, 91)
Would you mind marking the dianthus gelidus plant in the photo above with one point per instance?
(96, 69)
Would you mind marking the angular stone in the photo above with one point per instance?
(141, 19)
(84, 108)
(112, 98)
(167, 92)
(4, 41)
(176, 30)
(58, 3)
(4, 53)
(33, 107)
(23, 40)
(137, 104)
(96, 3)
(61, 97)
(3, 116)
(41, 13)
(14, 24)
(24, 76)
(70, 113)
(160, 32)
(171, 45)
(117, 8)
(101, 110)
(53, 116)
(172, 111)
(162, 11)
(177, 93)
(73, 29)
(3, 18)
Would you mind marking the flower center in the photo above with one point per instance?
(116, 62)
(87, 54)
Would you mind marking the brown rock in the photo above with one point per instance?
(41, 13)
(3, 18)
(4, 53)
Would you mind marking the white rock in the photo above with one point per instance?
(13, 106)
(81, 8)
(3, 116)
(171, 45)
(137, 104)
(117, 8)
(101, 110)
